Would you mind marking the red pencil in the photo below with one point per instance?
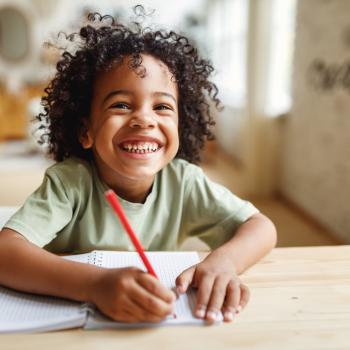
(114, 202)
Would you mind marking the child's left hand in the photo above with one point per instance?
(219, 288)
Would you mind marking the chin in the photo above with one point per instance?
(140, 174)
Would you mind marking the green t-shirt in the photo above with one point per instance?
(68, 213)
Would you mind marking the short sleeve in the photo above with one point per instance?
(212, 213)
(45, 212)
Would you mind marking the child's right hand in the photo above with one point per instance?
(131, 295)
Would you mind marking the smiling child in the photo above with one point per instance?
(128, 110)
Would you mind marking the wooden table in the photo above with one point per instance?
(300, 300)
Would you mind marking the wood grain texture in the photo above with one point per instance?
(300, 300)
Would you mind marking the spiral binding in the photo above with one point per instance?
(89, 308)
(95, 258)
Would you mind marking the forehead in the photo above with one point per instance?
(152, 73)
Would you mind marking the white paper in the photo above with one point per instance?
(25, 312)
(168, 265)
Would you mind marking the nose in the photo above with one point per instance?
(142, 121)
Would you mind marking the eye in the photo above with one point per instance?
(120, 105)
(163, 107)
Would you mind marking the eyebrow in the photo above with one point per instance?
(126, 92)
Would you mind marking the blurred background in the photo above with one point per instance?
(283, 72)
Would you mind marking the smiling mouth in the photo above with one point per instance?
(140, 147)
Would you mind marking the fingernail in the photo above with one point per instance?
(238, 309)
(228, 316)
(212, 315)
(178, 290)
(181, 288)
(200, 313)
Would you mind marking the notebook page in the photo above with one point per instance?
(168, 265)
(24, 312)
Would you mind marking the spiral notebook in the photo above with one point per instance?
(23, 312)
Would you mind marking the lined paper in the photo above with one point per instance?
(26, 312)
(168, 265)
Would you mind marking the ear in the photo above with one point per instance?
(85, 136)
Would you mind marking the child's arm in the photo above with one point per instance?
(216, 277)
(129, 294)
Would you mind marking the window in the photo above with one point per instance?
(227, 46)
(279, 99)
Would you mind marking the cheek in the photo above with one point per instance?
(177, 138)
(105, 132)
(170, 128)
(176, 130)
(173, 135)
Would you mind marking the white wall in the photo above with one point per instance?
(316, 160)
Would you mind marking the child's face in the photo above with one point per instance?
(133, 128)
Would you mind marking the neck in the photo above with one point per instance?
(131, 189)
(136, 193)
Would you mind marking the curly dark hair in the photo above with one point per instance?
(104, 42)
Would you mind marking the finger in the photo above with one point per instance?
(184, 280)
(203, 295)
(217, 297)
(232, 300)
(132, 312)
(236, 293)
(156, 288)
(135, 312)
(245, 296)
(126, 311)
(151, 303)
(126, 316)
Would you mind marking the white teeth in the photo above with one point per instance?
(143, 147)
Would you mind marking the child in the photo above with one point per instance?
(129, 111)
